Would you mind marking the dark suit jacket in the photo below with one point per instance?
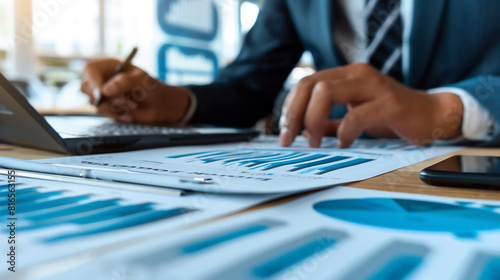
(453, 43)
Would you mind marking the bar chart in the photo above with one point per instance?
(271, 160)
(204, 243)
(45, 209)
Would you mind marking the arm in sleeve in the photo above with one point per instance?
(477, 122)
(482, 113)
(246, 89)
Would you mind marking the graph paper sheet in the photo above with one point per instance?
(54, 220)
(341, 233)
(261, 166)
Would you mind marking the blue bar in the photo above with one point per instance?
(316, 163)
(252, 163)
(31, 197)
(293, 257)
(44, 205)
(188, 155)
(215, 153)
(229, 156)
(19, 192)
(338, 166)
(149, 217)
(72, 210)
(114, 213)
(258, 156)
(491, 270)
(399, 267)
(330, 168)
(225, 237)
(273, 165)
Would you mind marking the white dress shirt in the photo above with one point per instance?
(350, 40)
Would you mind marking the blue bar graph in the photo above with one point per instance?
(317, 163)
(253, 163)
(491, 269)
(113, 213)
(330, 168)
(224, 157)
(284, 261)
(275, 159)
(45, 209)
(44, 205)
(18, 192)
(74, 210)
(225, 237)
(399, 267)
(201, 244)
(276, 260)
(31, 197)
(188, 155)
(273, 165)
(145, 218)
(83, 219)
(398, 260)
(253, 157)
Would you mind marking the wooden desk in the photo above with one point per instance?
(402, 180)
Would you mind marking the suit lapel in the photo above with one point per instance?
(427, 19)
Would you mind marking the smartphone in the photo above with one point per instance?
(481, 172)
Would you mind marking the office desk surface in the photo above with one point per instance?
(402, 180)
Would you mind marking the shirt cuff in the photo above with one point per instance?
(477, 123)
(191, 110)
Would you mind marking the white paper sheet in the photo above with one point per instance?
(340, 233)
(40, 203)
(262, 166)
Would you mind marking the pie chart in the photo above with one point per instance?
(408, 214)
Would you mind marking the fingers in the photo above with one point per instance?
(95, 73)
(123, 83)
(116, 109)
(293, 111)
(330, 129)
(99, 71)
(359, 119)
(325, 94)
(87, 89)
(297, 102)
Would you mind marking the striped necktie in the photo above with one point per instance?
(385, 32)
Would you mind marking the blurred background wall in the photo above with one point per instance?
(44, 44)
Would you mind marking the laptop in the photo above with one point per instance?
(21, 124)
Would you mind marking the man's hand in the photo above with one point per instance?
(133, 96)
(378, 105)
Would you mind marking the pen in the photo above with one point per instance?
(17, 164)
(117, 175)
(98, 97)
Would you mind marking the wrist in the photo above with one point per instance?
(189, 113)
(448, 116)
(180, 97)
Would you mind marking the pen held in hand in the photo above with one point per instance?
(122, 67)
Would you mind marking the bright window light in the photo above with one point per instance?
(249, 13)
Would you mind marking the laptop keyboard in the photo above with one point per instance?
(118, 129)
(110, 128)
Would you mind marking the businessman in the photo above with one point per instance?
(420, 70)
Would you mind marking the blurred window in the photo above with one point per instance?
(249, 12)
(66, 28)
(6, 29)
